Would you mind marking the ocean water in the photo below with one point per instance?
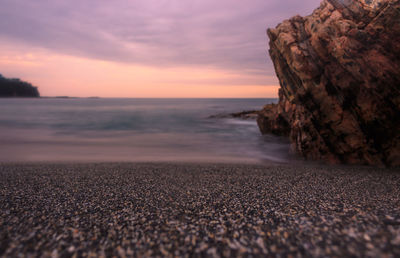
(103, 130)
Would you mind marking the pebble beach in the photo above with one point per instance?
(184, 209)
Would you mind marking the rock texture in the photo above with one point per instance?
(339, 71)
(273, 119)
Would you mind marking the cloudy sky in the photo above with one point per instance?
(143, 48)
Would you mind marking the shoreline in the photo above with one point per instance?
(294, 163)
(162, 209)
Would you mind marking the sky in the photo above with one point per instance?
(143, 48)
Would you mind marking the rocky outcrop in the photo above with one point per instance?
(339, 71)
(17, 88)
(274, 118)
(250, 114)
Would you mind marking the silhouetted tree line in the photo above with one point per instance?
(17, 88)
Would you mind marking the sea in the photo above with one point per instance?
(135, 130)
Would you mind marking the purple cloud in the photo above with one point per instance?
(228, 34)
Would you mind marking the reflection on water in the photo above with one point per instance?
(133, 130)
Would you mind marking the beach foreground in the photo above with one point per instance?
(127, 209)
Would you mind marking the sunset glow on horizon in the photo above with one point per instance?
(83, 77)
(143, 49)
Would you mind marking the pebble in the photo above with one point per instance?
(213, 210)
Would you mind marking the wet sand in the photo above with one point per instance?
(154, 209)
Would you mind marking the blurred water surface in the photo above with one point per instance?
(78, 129)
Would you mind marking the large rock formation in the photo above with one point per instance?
(339, 71)
(17, 88)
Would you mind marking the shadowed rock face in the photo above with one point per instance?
(339, 71)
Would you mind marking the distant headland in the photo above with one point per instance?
(17, 88)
